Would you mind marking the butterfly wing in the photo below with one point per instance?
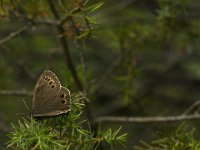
(46, 90)
(57, 106)
(64, 97)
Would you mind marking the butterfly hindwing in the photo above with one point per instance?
(64, 97)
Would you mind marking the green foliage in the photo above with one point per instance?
(71, 133)
(30, 134)
(183, 138)
(78, 26)
(157, 43)
(94, 7)
(111, 137)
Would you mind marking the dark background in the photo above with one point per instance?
(137, 58)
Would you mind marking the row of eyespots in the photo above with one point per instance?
(63, 95)
(50, 81)
(63, 101)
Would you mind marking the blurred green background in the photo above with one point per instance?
(133, 57)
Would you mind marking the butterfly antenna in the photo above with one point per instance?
(26, 105)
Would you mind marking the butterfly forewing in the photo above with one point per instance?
(50, 98)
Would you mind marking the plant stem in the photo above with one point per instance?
(70, 64)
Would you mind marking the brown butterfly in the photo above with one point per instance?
(49, 97)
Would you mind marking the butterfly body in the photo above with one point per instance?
(50, 98)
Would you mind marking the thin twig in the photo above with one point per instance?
(19, 62)
(14, 34)
(43, 22)
(32, 20)
(115, 8)
(191, 108)
(15, 93)
(75, 10)
(39, 21)
(107, 73)
(148, 119)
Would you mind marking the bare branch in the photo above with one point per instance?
(43, 22)
(15, 93)
(107, 73)
(148, 119)
(14, 34)
(38, 21)
(184, 116)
